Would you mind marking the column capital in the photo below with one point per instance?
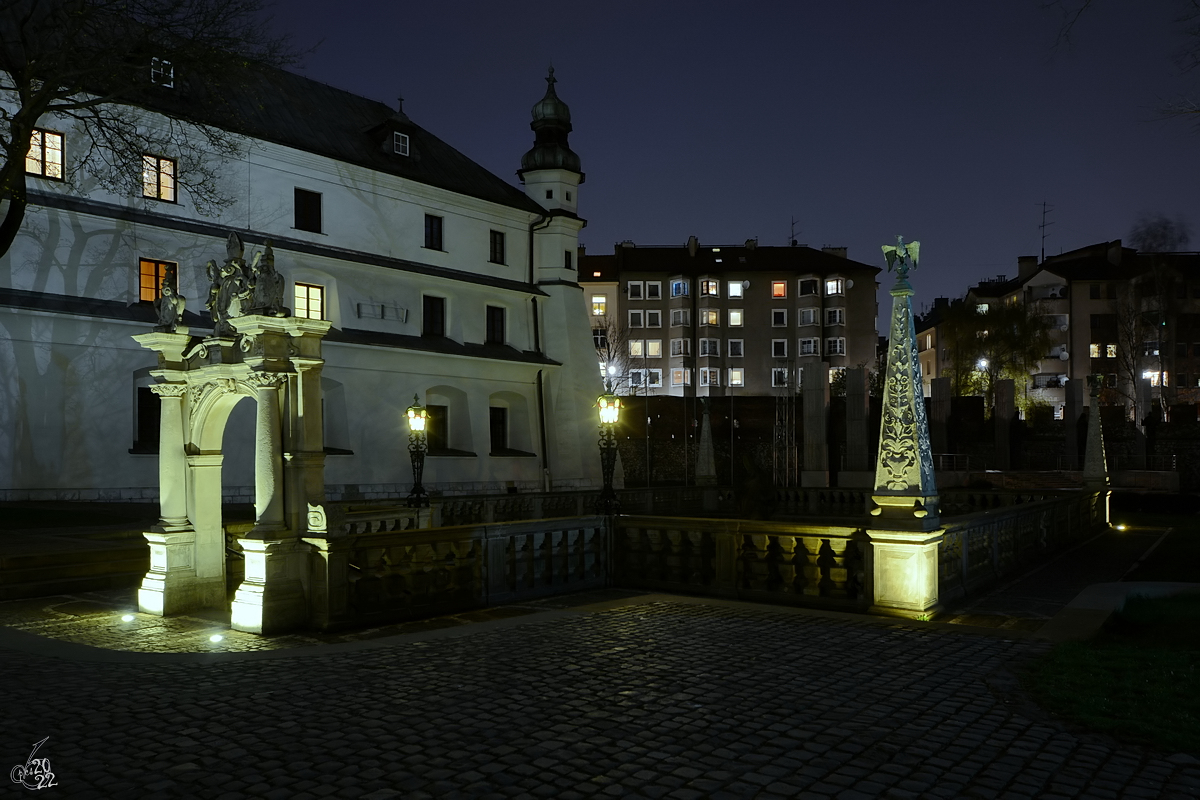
(266, 380)
(169, 389)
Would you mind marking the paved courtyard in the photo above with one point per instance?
(637, 696)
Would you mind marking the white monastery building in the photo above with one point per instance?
(438, 279)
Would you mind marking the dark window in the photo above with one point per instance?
(148, 410)
(433, 317)
(495, 325)
(549, 194)
(436, 428)
(497, 251)
(1181, 349)
(808, 287)
(568, 261)
(499, 428)
(600, 337)
(433, 232)
(308, 210)
(1094, 291)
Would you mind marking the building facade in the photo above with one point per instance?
(710, 321)
(440, 280)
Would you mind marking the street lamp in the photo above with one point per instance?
(417, 448)
(609, 408)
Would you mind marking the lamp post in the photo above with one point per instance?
(417, 448)
(609, 407)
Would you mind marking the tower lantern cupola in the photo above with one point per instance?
(550, 170)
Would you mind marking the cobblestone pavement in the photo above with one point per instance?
(645, 696)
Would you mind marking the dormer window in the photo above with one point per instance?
(400, 143)
(162, 72)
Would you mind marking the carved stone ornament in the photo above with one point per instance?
(169, 304)
(905, 464)
(237, 288)
(169, 389)
(317, 521)
(266, 380)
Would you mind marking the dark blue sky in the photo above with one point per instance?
(945, 121)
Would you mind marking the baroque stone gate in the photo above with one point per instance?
(256, 351)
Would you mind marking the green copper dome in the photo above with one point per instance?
(551, 124)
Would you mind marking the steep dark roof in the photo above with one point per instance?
(738, 258)
(288, 109)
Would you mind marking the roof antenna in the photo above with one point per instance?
(792, 238)
(1045, 210)
(400, 104)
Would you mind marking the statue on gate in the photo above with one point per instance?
(237, 288)
(169, 304)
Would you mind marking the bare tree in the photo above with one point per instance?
(1158, 233)
(94, 65)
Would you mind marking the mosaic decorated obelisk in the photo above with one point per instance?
(905, 495)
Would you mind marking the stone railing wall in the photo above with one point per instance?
(386, 575)
(767, 561)
(979, 549)
(791, 503)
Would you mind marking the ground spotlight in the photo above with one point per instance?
(216, 637)
(127, 618)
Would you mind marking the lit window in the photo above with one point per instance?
(1094, 350)
(400, 143)
(710, 377)
(737, 376)
(162, 72)
(981, 308)
(158, 178)
(679, 288)
(735, 348)
(779, 318)
(496, 250)
(599, 304)
(710, 316)
(710, 347)
(835, 286)
(835, 316)
(735, 290)
(654, 290)
(637, 348)
(835, 373)
(654, 348)
(653, 319)
(45, 157)
(710, 288)
(310, 301)
(735, 318)
(634, 289)
(681, 316)
(779, 348)
(635, 319)
(1110, 350)
(681, 347)
(810, 347)
(681, 377)
(835, 347)
(655, 378)
(779, 376)
(778, 289)
(808, 316)
(808, 286)
(150, 278)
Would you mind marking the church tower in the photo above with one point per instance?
(551, 170)
(551, 173)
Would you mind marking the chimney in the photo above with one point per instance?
(1114, 253)
(1026, 266)
(693, 246)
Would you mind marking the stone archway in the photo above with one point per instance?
(275, 360)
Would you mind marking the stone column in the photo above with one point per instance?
(268, 452)
(939, 427)
(1095, 467)
(856, 472)
(1002, 414)
(905, 532)
(815, 391)
(172, 458)
(1071, 413)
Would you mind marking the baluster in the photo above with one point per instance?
(834, 551)
(807, 554)
(785, 567)
(754, 556)
(522, 558)
(654, 555)
(696, 571)
(674, 557)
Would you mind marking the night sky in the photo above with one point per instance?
(948, 122)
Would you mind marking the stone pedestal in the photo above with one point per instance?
(172, 586)
(271, 598)
(1002, 415)
(904, 569)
